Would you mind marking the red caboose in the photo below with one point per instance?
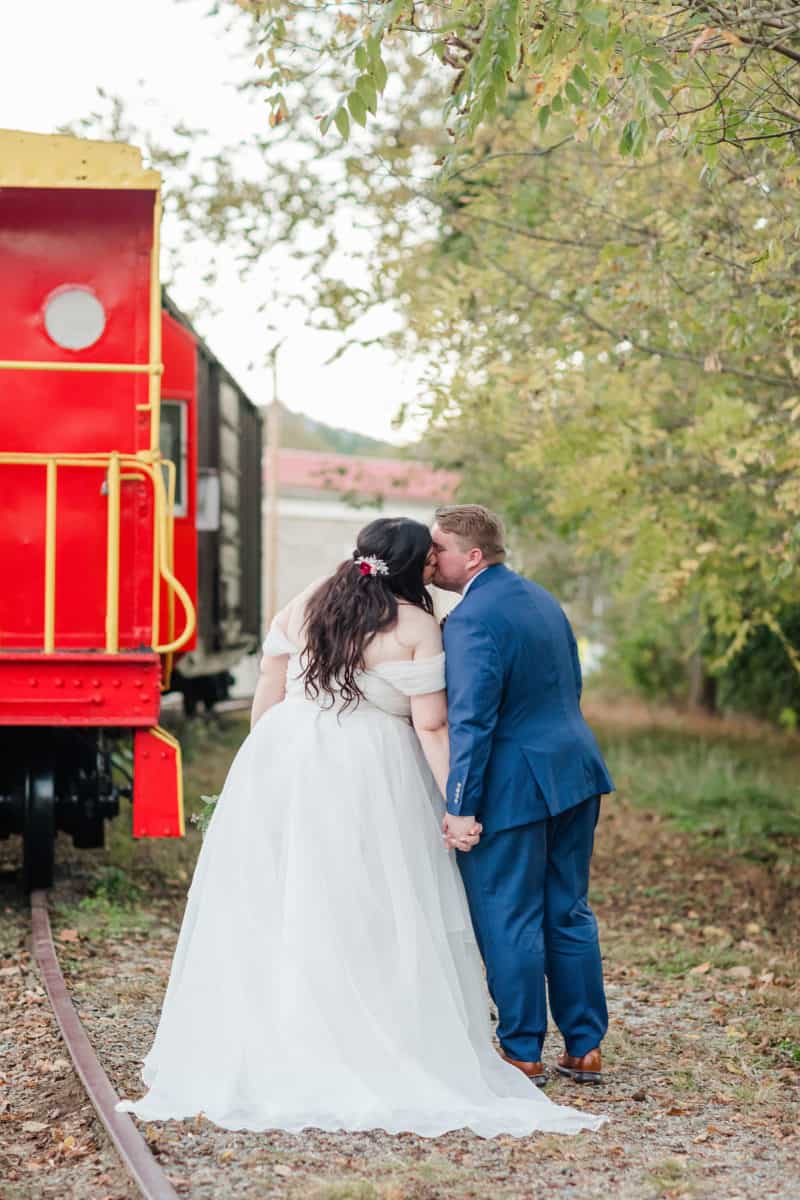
(91, 605)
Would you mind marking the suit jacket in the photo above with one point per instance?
(520, 749)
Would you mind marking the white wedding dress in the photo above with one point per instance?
(326, 972)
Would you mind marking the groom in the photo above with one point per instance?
(524, 763)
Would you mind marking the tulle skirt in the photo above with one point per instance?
(326, 973)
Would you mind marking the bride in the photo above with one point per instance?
(326, 972)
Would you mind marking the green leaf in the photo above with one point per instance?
(510, 53)
(640, 138)
(572, 93)
(595, 16)
(711, 154)
(499, 80)
(342, 122)
(557, 104)
(659, 97)
(325, 123)
(544, 117)
(659, 76)
(582, 79)
(358, 109)
(365, 86)
(379, 73)
(362, 58)
(628, 137)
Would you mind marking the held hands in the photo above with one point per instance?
(461, 833)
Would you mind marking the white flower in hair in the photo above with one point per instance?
(368, 564)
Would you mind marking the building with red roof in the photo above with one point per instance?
(325, 498)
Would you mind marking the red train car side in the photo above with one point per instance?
(98, 580)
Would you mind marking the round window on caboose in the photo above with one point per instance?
(74, 318)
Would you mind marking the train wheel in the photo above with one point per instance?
(39, 833)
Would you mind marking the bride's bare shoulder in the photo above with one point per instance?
(292, 616)
(418, 629)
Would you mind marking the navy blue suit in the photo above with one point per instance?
(525, 763)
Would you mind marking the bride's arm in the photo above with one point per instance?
(429, 711)
(271, 686)
(429, 717)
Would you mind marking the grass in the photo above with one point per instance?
(672, 1179)
(740, 794)
(208, 748)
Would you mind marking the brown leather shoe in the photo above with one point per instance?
(531, 1070)
(587, 1069)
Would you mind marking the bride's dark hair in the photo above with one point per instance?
(349, 609)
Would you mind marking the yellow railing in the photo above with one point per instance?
(92, 368)
(117, 467)
(145, 463)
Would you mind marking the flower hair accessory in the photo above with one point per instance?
(370, 565)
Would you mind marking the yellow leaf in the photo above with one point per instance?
(705, 35)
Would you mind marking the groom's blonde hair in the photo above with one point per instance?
(474, 526)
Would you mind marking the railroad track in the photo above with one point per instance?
(127, 1141)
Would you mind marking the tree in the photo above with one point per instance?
(610, 319)
(698, 71)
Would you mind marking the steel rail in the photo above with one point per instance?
(127, 1141)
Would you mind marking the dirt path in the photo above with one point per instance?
(703, 1086)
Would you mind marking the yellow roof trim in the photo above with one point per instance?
(49, 160)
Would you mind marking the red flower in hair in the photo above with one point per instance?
(365, 568)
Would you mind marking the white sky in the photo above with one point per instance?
(170, 65)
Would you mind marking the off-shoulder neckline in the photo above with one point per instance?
(377, 667)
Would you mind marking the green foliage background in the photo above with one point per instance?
(585, 217)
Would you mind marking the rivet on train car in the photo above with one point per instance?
(137, 683)
(116, 683)
(96, 683)
(58, 682)
(77, 683)
(143, 696)
(33, 682)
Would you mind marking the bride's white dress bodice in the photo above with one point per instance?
(388, 686)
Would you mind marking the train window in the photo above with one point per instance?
(208, 500)
(173, 446)
(74, 318)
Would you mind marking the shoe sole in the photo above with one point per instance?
(580, 1076)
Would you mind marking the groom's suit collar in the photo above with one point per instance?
(494, 571)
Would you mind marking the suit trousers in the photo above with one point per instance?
(527, 890)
